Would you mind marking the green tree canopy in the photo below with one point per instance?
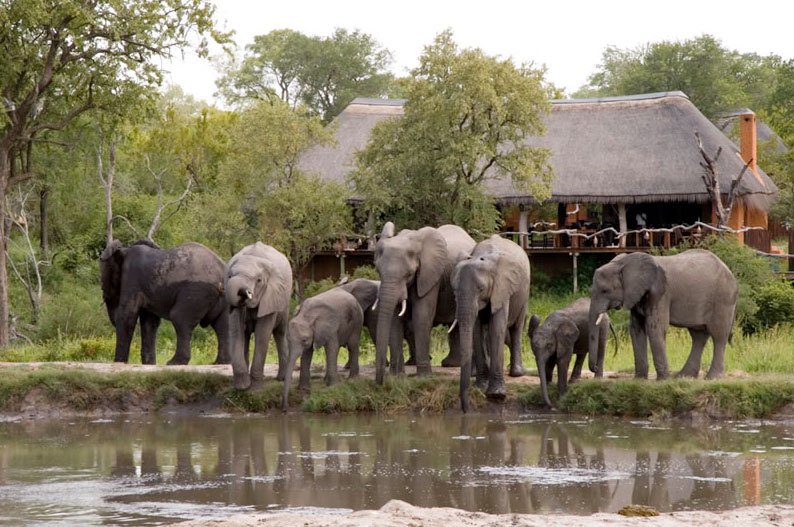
(323, 73)
(715, 78)
(465, 120)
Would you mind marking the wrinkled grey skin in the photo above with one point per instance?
(183, 284)
(416, 266)
(366, 293)
(329, 320)
(565, 332)
(491, 293)
(693, 290)
(257, 287)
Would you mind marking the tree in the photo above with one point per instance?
(323, 73)
(465, 120)
(713, 77)
(63, 58)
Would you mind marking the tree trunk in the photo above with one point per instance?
(44, 237)
(4, 175)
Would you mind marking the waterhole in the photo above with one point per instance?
(157, 470)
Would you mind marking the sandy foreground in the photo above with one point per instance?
(400, 514)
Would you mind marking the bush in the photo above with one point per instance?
(775, 302)
(365, 271)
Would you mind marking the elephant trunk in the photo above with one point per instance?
(237, 291)
(242, 378)
(466, 318)
(544, 382)
(596, 312)
(389, 295)
(295, 351)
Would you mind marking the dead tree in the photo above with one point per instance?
(711, 180)
(29, 278)
(158, 178)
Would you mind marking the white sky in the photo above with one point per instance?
(568, 37)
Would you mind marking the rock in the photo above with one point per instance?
(638, 510)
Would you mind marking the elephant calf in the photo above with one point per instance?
(565, 332)
(329, 320)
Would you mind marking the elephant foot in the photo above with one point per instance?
(451, 361)
(714, 375)
(517, 371)
(242, 382)
(222, 361)
(256, 385)
(304, 388)
(330, 381)
(347, 365)
(410, 362)
(662, 376)
(481, 384)
(424, 371)
(496, 391)
(688, 373)
(178, 361)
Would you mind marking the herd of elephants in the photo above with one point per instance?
(428, 277)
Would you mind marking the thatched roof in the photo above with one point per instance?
(631, 149)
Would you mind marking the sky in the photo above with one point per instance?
(568, 37)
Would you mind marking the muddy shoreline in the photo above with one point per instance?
(400, 514)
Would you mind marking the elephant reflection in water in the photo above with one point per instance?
(559, 452)
(712, 488)
(650, 487)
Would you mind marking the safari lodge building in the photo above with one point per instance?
(630, 163)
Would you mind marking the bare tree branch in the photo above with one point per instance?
(158, 177)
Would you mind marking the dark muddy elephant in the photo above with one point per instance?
(329, 320)
(415, 269)
(491, 293)
(693, 290)
(183, 284)
(258, 287)
(565, 332)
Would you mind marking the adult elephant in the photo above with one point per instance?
(693, 290)
(491, 291)
(415, 268)
(183, 284)
(258, 287)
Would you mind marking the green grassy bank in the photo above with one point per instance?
(81, 390)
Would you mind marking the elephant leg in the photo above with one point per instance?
(577, 368)
(352, 353)
(656, 335)
(125, 327)
(563, 361)
(280, 336)
(184, 331)
(639, 341)
(453, 358)
(516, 360)
(551, 363)
(692, 366)
(149, 324)
(717, 368)
(409, 338)
(222, 331)
(306, 368)
(423, 312)
(496, 348)
(262, 332)
(331, 356)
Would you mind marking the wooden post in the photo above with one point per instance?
(523, 216)
(622, 223)
(575, 273)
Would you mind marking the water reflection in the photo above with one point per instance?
(148, 471)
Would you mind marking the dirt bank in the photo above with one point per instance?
(400, 514)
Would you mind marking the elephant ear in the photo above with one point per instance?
(509, 278)
(277, 272)
(110, 262)
(454, 278)
(566, 333)
(432, 260)
(534, 323)
(640, 275)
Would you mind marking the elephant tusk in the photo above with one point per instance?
(600, 319)
(454, 323)
(402, 311)
(375, 305)
(249, 294)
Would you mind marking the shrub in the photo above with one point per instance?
(775, 302)
(365, 271)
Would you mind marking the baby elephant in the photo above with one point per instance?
(564, 333)
(329, 320)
